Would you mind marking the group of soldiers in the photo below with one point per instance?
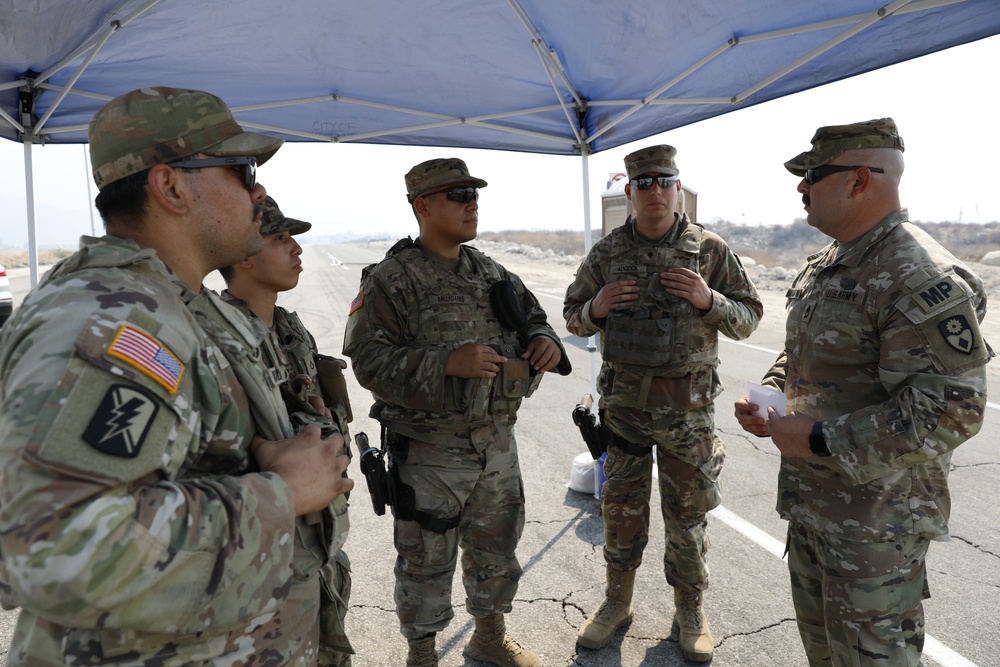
(174, 461)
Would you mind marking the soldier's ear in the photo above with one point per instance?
(167, 188)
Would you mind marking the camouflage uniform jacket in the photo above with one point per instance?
(131, 522)
(883, 347)
(410, 314)
(287, 351)
(684, 377)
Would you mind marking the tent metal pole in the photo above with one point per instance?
(90, 197)
(29, 199)
(587, 243)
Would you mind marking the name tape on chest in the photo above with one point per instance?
(448, 298)
(147, 355)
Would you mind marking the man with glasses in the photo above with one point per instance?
(449, 342)
(883, 373)
(312, 386)
(659, 290)
(143, 518)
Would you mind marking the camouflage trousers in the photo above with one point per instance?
(689, 459)
(858, 603)
(335, 649)
(287, 635)
(484, 487)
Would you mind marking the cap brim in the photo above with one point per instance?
(298, 226)
(260, 146)
(666, 171)
(290, 225)
(809, 160)
(477, 182)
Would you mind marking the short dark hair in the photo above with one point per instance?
(227, 273)
(124, 199)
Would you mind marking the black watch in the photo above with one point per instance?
(817, 442)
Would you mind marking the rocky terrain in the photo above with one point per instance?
(769, 278)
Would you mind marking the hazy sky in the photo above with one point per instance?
(945, 104)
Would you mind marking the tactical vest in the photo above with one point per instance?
(295, 342)
(659, 332)
(453, 310)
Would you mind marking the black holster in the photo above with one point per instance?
(404, 498)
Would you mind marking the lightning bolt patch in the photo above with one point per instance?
(121, 421)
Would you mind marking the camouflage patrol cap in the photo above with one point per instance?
(832, 140)
(652, 160)
(274, 220)
(157, 125)
(436, 174)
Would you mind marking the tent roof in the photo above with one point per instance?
(546, 76)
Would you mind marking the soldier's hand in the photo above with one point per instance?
(312, 467)
(474, 361)
(790, 433)
(319, 405)
(542, 353)
(689, 285)
(750, 422)
(619, 294)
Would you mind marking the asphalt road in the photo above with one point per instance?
(748, 604)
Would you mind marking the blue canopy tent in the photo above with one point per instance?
(569, 77)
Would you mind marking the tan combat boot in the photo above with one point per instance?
(421, 652)
(491, 643)
(696, 638)
(614, 612)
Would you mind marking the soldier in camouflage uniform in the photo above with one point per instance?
(883, 373)
(142, 519)
(448, 375)
(659, 290)
(294, 364)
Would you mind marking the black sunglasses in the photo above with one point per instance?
(248, 164)
(813, 176)
(646, 182)
(463, 195)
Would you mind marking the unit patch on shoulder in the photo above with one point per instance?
(957, 333)
(148, 355)
(121, 421)
(359, 300)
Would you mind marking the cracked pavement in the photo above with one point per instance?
(748, 604)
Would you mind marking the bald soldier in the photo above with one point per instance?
(449, 342)
(659, 290)
(143, 518)
(884, 375)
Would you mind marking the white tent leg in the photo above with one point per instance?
(29, 198)
(587, 243)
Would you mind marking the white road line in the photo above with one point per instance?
(932, 647)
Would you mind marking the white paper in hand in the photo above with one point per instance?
(766, 397)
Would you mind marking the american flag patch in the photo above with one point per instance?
(358, 300)
(148, 355)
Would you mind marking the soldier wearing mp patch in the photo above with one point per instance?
(884, 375)
(449, 343)
(659, 290)
(143, 520)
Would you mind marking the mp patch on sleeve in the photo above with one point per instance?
(957, 333)
(121, 421)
